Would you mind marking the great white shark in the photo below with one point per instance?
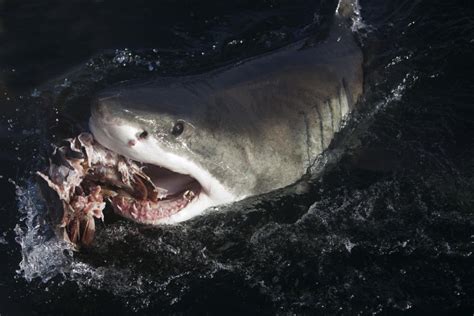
(237, 131)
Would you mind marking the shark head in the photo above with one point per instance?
(165, 129)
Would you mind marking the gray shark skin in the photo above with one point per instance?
(241, 130)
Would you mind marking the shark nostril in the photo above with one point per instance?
(143, 135)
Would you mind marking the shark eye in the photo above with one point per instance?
(143, 135)
(178, 129)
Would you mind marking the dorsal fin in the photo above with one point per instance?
(346, 9)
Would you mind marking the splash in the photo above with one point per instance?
(46, 257)
(43, 255)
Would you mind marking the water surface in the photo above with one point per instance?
(387, 227)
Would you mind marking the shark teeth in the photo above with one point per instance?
(134, 211)
(189, 195)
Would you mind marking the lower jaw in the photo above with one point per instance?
(148, 212)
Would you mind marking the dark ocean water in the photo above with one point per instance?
(386, 226)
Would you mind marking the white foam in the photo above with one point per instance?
(42, 256)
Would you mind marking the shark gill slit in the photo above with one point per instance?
(308, 136)
(328, 104)
(320, 126)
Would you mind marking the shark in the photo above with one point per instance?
(237, 131)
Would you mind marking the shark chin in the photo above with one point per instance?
(176, 173)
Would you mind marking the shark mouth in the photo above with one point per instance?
(190, 188)
(83, 175)
(156, 195)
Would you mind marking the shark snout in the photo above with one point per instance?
(109, 118)
(105, 111)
